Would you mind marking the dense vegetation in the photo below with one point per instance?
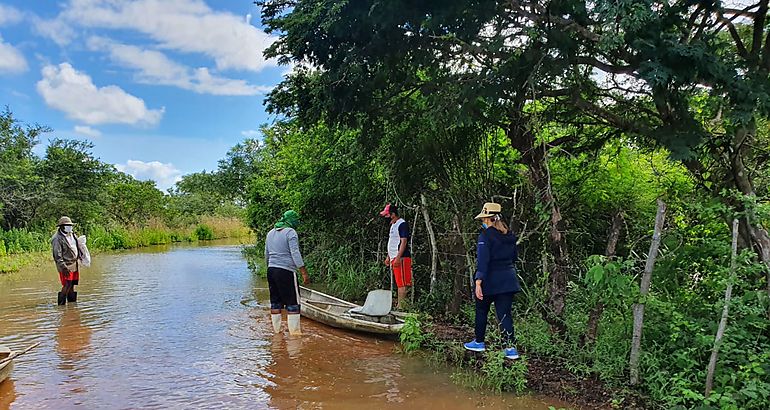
(115, 210)
(577, 116)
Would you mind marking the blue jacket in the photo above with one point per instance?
(496, 255)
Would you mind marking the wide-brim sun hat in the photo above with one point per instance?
(489, 210)
(65, 220)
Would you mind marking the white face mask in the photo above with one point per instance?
(68, 228)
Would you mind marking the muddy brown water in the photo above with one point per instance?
(188, 327)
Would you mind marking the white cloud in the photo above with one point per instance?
(188, 26)
(11, 59)
(87, 131)
(165, 175)
(58, 30)
(251, 133)
(73, 93)
(155, 67)
(9, 15)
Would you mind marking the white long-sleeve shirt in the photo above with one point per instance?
(282, 249)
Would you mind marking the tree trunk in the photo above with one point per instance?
(751, 232)
(758, 234)
(433, 246)
(636, 340)
(614, 236)
(411, 251)
(596, 313)
(460, 266)
(534, 157)
(723, 322)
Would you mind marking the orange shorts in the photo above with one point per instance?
(73, 277)
(403, 273)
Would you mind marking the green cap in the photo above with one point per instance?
(290, 219)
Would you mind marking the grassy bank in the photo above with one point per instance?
(545, 375)
(21, 247)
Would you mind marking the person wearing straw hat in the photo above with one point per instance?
(495, 280)
(399, 257)
(283, 259)
(66, 253)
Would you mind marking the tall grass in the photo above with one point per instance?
(225, 227)
(158, 233)
(16, 245)
(18, 241)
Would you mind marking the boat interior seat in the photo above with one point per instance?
(378, 303)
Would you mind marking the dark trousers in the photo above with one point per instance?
(503, 302)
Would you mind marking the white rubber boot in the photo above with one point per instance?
(293, 321)
(276, 318)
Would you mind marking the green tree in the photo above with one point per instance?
(471, 61)
(74, 182)
(133, 202)
(632, 66)
(237, 169)
(20, 184)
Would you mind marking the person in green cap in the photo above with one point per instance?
(283, 259)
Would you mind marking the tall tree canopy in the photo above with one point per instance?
(631, 67)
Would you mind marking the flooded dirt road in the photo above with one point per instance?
(188, 327)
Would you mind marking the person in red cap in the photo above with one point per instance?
(399, 258)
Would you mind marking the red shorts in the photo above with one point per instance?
(403, 273)
(73, 277)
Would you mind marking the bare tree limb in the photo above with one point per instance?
(606, 67)
(636, 340)
(759, 28)
(723, 322)
(734, 34)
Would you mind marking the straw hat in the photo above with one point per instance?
(65, 220)
(489, 210)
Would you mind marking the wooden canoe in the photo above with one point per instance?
(6, 360)
(335, 312)
(5, 366)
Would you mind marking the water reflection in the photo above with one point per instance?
(7, 394)
(72, 337)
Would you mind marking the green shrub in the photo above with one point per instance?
(255, 259)
(204, 232)
(121, 239)
(412, 335)
(501, 374)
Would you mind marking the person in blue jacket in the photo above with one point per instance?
(496, 280)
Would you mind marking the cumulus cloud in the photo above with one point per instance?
(9, 15)
(72, 92)
(11, 59)
(164, 175)
(154, 67)
(87, 131)
(188, 26)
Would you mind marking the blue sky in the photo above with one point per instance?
(161, 87)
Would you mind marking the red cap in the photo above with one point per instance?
(386, 211)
